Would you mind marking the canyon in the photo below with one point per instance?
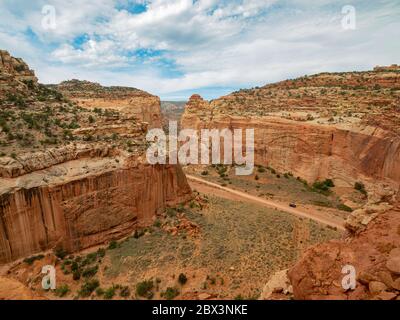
(337, 126)
(77, 192)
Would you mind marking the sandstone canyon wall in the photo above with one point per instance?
(338, 126)
(72, 167)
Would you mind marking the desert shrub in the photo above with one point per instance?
(113, 245)
(261, 169)
(76, 275)
(32, 259)
(180, 208)
(272, 170)
(144, 289)
(88, 287)
(257, 177)
(62, 290)
(109, 293)
(60, 253)
(74, 266)
(138, 234)
(359, 186)
(182, 279)
(101, 252)
(125, 292)
(170, 293)
(99, 292)
(157, 223)
(343, 207)
(323, 185)
(204, 173)
(171, 212)
(90, 272)
(91, 119)
(90, 258)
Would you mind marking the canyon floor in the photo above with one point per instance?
(225, 249)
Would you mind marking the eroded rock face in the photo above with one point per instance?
(14, 74)
(374, 253)
(339, 126)
(128, 101)
(81, 179)
(83, 203)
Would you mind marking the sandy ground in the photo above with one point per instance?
(207, 187)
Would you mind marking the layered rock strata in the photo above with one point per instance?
(72, 168)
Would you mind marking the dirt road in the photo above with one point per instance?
(207, 187)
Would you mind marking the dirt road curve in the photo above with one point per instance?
(207, 187)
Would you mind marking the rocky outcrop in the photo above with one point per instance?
(15, 74)
(127, 101)
(374, 253)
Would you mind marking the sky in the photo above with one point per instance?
(175, 48)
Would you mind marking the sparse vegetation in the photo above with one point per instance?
(182, 279)
(32, 259)
(88, 287)
(359, 186)
(144, 289)
(62, 290)
(170, 293)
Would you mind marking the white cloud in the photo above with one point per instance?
(205, 43)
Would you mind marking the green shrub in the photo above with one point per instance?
(182, 279)
(171, 212)
(90, 272)
(88, 287)
(99, 292)
(32, 259)
(343, 207)
(109, 293)
(62, 290)
(113, 245)
(359, 186)
(323, 185)
(157, 223)
(101, 252)
(170, 293)
(60, 253)
(144, 289)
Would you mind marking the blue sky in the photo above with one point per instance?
(176, 48)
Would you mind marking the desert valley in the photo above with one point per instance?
(77, 193)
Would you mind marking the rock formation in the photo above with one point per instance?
(374, 253)
(341, 126)
(130, 101)
(72, 167)
(15, 74)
